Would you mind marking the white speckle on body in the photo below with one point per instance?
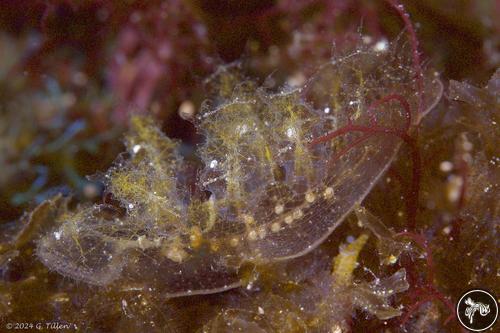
(446, 166)
(136, 148)
(291, 132)
(279, 209)
(381, 46)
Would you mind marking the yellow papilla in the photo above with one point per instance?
(345, 262)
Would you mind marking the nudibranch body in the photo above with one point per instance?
(275, 190)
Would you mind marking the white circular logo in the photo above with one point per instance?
(477, 310)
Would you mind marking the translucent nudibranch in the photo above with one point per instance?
(275, 190)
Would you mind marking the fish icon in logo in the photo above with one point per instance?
(477, 310)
